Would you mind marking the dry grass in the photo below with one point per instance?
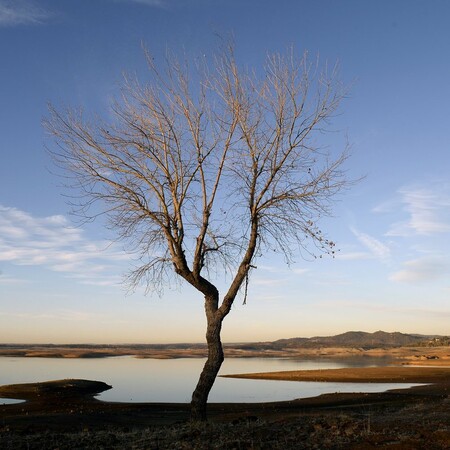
(412, 427)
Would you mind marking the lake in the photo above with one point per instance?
(173, 380)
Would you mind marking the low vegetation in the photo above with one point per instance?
(417, 426)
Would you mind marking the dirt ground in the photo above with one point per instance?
(65, 415)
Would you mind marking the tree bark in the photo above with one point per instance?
(213, 363)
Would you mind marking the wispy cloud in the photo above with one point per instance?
(428, 210)
(386, 206)
(53, 243)
(422, 270)
(376, 248)
(21, 12)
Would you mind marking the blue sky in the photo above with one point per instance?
(60, 282)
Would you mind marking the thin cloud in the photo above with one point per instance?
(376, 248)
(385, 207)
(104, 281)
(422, 270)
(53, 243)
(428, 211)
(272, 269)
(21, 12)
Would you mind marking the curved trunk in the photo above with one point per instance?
(212, 365)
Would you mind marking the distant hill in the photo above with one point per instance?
(356, 339)
(350, 339)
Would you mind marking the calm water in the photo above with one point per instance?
(173, 380)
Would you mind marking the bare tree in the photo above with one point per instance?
(203, 177)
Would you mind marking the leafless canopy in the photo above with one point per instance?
(207, 167)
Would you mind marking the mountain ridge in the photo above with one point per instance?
(358, 339)
(355, 339)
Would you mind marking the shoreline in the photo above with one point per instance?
(65, 414)
(389, 374)
(399, 355)
(62, 395)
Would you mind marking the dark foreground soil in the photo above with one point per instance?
(65, 415)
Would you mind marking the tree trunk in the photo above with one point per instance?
(213, 363)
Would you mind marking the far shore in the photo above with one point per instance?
(423, 356)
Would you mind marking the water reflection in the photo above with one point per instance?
(173, 380)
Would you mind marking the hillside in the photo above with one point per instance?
(355, 339)
(345, 344)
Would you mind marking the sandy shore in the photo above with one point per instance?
(358, 375)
